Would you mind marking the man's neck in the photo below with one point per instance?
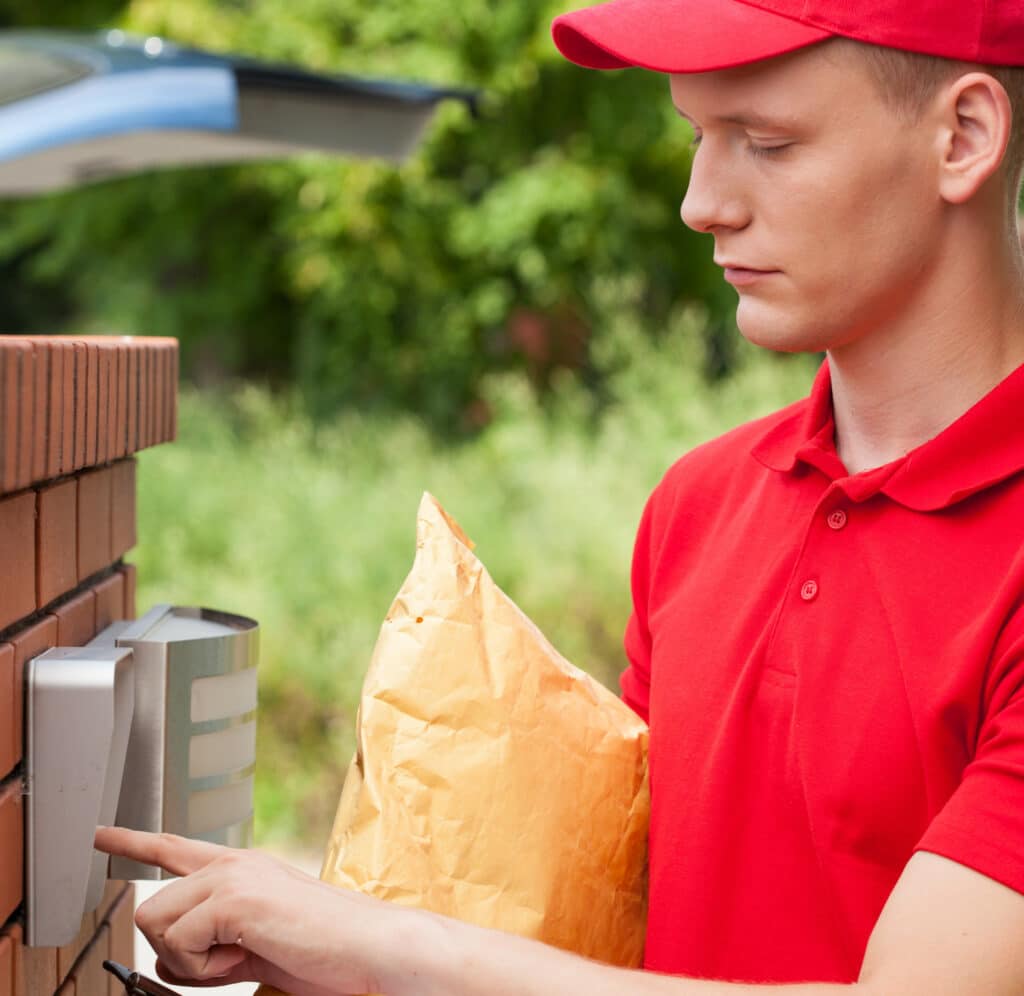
(901, 385)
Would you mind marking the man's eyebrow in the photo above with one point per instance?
(751, 119)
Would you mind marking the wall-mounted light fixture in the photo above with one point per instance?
(151, 726)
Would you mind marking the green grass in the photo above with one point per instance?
(311, 531)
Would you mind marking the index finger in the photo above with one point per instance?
(177, 855)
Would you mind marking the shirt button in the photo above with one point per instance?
(837, 519)
(809, 591)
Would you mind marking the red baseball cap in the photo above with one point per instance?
(693, 36)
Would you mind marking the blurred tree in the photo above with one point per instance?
(511, 240)
(59, 13)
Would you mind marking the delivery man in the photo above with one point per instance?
(828, 635)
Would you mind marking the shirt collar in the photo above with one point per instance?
(981, 448)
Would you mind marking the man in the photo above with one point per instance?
(828, 633)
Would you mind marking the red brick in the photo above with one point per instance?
(40, 411)
(154, 391)
(8, 417)
(68, 421)
(10, 711)
(109, 601)
(146, 397)
(129, 571)
(9, 374)
(81, 396)
(111, 351)
(40, 971)
(26, 416)
(12, 854)
(121, 917)
(16, 934)
(55, 427)
(81, 401)
(164, 393)
(92, 402)
(113, 405)
(165, 378)
(173, 428)
(56, 541)
(5, 421)
(93, 522)
(112, 893)
(35, 969)
(122, 508)
(155, 357)
(157, 353)
(140, 380)
(121, 403)
(170, 355)
(102, 394)
(18, 543)
(68, 954)
(133, 398)
(103, 383)
(108, 399)
(6, 966)
(29, 643)
(142, 372)
(17, 356)
(76, 620)
(90, 976)
(33, 640)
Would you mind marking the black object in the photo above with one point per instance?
(135, 984)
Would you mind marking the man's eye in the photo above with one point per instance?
(767, 150)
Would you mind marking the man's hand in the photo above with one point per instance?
(244, 916)
(241, 915)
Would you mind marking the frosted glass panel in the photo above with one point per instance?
(226, 750)
(223, 696)
(219, 807)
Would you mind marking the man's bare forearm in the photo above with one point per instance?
(453, 959)
(240, 915)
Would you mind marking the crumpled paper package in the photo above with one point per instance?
(493, 781)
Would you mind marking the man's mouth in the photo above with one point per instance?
(740, 275)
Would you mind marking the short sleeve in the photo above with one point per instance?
(636, 679)
(982, 824)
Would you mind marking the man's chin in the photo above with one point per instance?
(777, 331)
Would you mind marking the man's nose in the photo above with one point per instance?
(712, 198)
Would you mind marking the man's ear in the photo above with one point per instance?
(976, 121)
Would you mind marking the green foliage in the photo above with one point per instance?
(310, 529)
(58, 13)
(384, 287)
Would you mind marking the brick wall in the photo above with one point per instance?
(73, 411)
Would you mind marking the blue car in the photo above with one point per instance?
(78, 108)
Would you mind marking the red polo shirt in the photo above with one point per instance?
(833, 670)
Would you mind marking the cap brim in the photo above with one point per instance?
(677, 36)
